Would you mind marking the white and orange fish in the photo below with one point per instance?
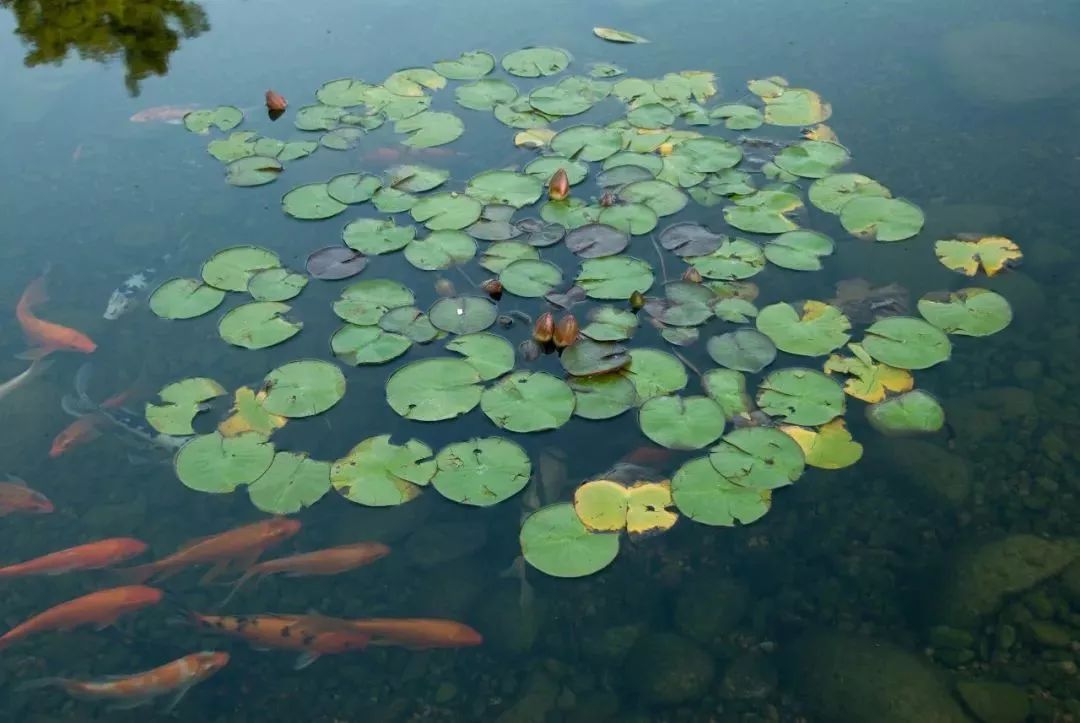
(311, 635)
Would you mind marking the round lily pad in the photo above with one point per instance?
(180, 402)
(595, 240)
(812, 329)
(800, 396)
(342, 139)
(828, 447)
(430, 128)
(415, 178)
(607, 323)
(446, 211)
(708, 155)
(224, 118)
(546, 166)
(440, 250)
(601, 505)
(358, 345)
(732, 259)
(278, 284)
(311, 202)
(490, 355)
(353, 187)
(651, 116)
(505, 187)
(334, 263)
(685, 304)
(586, 357)
(318, 117)
(248, 415)
(535, 62)
(374, 236)
(968, 312)
(231, 269)
(760, 458)
(185, 299)
(379, 473)
(411, 323)
(799, 250)
(763, 212)
(660, 196)
(303, 388)
(469, 65)
(570, 96)
(624, 175)
(651, 163)
(253, 171)
(530, 278)
(540, 233)
(258, 325)
(629, 218)
(906, 343)
(292, 483)
(463, 314)
(727, 388)
(482, 471)
(738, 117)
(603, 396)
(343, 92)
(519, 114)
(556, 542)
(570, 213)
(413, 82)
(212, 463)
(655, 373)
(690, 239)
(812, 159)
(614, 277)
(365, 302)
(883, 219)
(912, 412)
(796, 107)
(500, 255)
(681, 422)
(743, 350)
(528, 402)
(832, 192)
(587, 143)
(704, 495)
(431, 390)
(393, 200)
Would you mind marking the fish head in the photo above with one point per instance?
(37, 502)
(210, 661)
(282, 528)
(464, 636)
(83, 343)
(128, 547)
(78, 432)
(119, 304)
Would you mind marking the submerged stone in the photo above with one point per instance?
(708, 608)
(933, 470)
(1050, 634)
(993, 702)
(750, 676)
(668, 669)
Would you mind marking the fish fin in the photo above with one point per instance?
(215, 572)
(176, 699)
(39, 366)
(39, 683)
(36, 353)
(515, 569)
(131, 703)
(12, 479)
(236, 587)
(74, 406)
(140, 573)
(82, 383)
(304, 660)
(36, 291)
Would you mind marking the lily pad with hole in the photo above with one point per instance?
(491, 355)
(505, 187)
(463, 314)
(682, 423)
(180, 402)
(660, 196)
(911, 413)
(603, 396)
(655, 373)
(379, 473)
(556, 542)
(358, 345)
(277, 284)
(231, 269)
(535, 62)
(868, 380)
(303, 388)
(545, 167)
(253, 171)
(586, 357)
(805, 397)
(353, 187)
(704, 495)
(906, 343)
(528, 402)
(364, 302)
(470, 65)
(374, 236)
(216, 464)
(743, 350)
(440, 250)
(614, 277)
(432, 390)
(608, 323)
(760, 458)
(587, 143)
(258, 325)
(485, 94)
(224, 118)
(764, 211)
(811, 328)
(482, 471)
(881, 219)
(292, 483)
(827, 447)
(311, 202)
(185, 299)
(992, 254)
(334, 263)
(832, 192)
(732, 259)
(446, 211)
(800, 250)
(430, 128)
(968, 312)
(530, 278)
(738, 116)
(727, 388)
(409, 322)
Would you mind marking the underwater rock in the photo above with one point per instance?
(1070, 583)
(538, 699)
(506, 624)
(842, 677)
(610, 645)
(935, 471)
(991, 413)
(942, 636)
(451, 590)
(707, 608)
(751, 676)
(668, 669)
(442, 542)
(977, 580)
(596, 707)
(993, 702)
(385, 524)
(1050, 634)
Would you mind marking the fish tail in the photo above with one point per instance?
(36, 353)
(82, 383)
(35, 293)
(39, 683)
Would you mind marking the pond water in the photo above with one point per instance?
(933, 579)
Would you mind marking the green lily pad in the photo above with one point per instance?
(440, 250)
(652, 164)
(812, 159)
(253, 171)
(379, 473)
(447, 211)
(911, 412)
(536, 232)
(278, 284)
(759, 458)
(258, 325)
(569, 96)
(796, 107)
(732, 259)
(432, 390)
(799, 250)
(239, 145)
(318, 117)
(660, 196)
(603, 396)
(494, 224)
(529, 278)
(409, 322)
(500, 255)
(482, 471)
(224, 118)
(353, 187)
(430, 128)
(743, 350)
(881, 219)
(292, 483)
(605, 70)
(678, 172)
(311, 202)
(706, 496)
(393, 200)
(801, 396)
(655, 373)
(690, 239)
(505, 187)
(463, 314)
(906, 343)
(607, 323)
(812, 329)
(570, 213)
(486, 94)
(416, 178)
(470, 65)
(651, 116)
(831, 193)
(556, 542)
(738, 117)
(735, 310)
(596, 240)
(358, 345)
(342, 139)
(528, 402)
(827, 447)
(231, 269)
(414, 81)
(545, 167)
(216, 464)
(968, 312)
(727, 388)
(181, 401)
(614, 277)
(586, 357)
(587, 143)
(632, 218)
(185, 299)
(681, 422)
(535, 62)
(763, 212)
(708, 155)
(364, 302)
(303, 388)
(344, 92)
(519, 114)
(490, 355)
(374, 236)
(685, 304)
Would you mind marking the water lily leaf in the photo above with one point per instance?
(570, 213)
(718, 187)
(319, 117)
(883, 219)
(500, 255)
(185, 299)
(416, 178)
(607, 323)
(735, 310)
(727, 388)
(535, 62)
(812, 159)
(379, 473)
(534, 138)
(333, 263)
(811, 329)
(708, 155)
(655, 373)
(447, 211)
(763, 212)
(374, 236)
(519, 114)
(216, 464)
(660, 196)
(278, 284)
(258, 325)
(491, 355)
(463, 314)
(651, 116)
(342, 139)
(486, 94)
(801, 396)
(614, 277)
(586, 357)
(393, 200)
(353, 187)
(969, 312)
(678, 335)
(253, 171)
(796, 107)
(690, 239)
(432, 390)
(569, 96)
(617, 36)
(704, 495)
(556, 542)
(738, 117)
(647, 510)
(605, 70)
(303, 388)
(912, 412)
(505, 187)
(990, 253)
(482, 471)
(180, 402)
(540, 233)
(364, 302)
(358, 345)
(440, 250)
(291, 483)
(546, 166)
(678, 172)
(601, 505)
(409, 322)
(596, 240)
(224, 118)
(430, 128)
(732, 259)
(344, 92)
(603, 396)
(587, 143)
(470, 65)
(832, 192)
(628, 218)
(231, 269)
(743, 350)
(760, 458)
(412, 82)
(799, 250)
(867, 380)
(528, 402)
(681, 422)
(529, 278)
(828, 447)
(248, 415)
(906, 343)
(685, 304)
(311, 202)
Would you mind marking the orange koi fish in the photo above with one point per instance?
(418, 633)
(239, 547)
(82, 431)
(45, 335)
(330, 561)
(16, 496)
(131, 691)
(312, 635)
(91, 556)
(101, 608)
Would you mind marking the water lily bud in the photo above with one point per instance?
(666, 148)
(607, 199)
(566, 333)
(275, 102)
(493, 287)
(529, 350)
(637, 300)
(544, 328)
(559, 186)
(692, 275)
(445, 287)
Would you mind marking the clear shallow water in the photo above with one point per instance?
(99, 198)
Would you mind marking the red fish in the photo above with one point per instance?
(91, 556)
(131, 691)
(101, 608)
(16, 496)
(81, 431)
(648, 456)
(418, 633)
(311, 635)
(45, 335)
(330, 561)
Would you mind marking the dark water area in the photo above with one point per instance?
(936, 579)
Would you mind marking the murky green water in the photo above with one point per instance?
(933, 581)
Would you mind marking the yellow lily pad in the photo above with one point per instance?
(990, 253)
(609, 506)
(601, 505)
(830, 446)
(534, 138)
(248, 415)
(647, 509)
(820, 132)
(868, 380)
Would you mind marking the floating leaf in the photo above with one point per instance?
(704, 495)
(416, 178)
(867, 380)
(353, 187)
(393, 200)
(686, 304)
(614, 277)
(342, 139)
(253, 171)
(311, 202)
(633, 218)
(828, 447)
(333, 263)
(258, 325)
(555, 541)
(303, 388)
(743, 350)
(906, 343)
(738, 117)
(539, 233)
(799, 250)
(505, 187)
(969, 312)
(430, 128)
(365, 302)
(237, 146)
(412, 82)
(586, 357)
(431, 390)
(481, 472)
(276, 285)
(763, 212)
(801, 396)
(534, 138)
(832, 192)
(647, 510)
(490, 355)
(655, 373)
(796, 107)
(812, 159)
(883, 219)
(358, 345)
(249, 415)
(463, 314)
(607, 323)
(596, 240)
(735, 310)
(319, 117)
(681, 422)
(605, 70)
(570, 213)
(500, 255)
(602, 396)
(519, 114)
(485, 94)
(617, 36)
(469, 65)
(990, 253)
(601, 505)
(185, 299)
(344, 92)
(812, 329)
(224, 118)
(374, 236)
(530, 278)
(760, 458)
(292, 483)
(440, 250)
(546, 166)
(212, 463)
(411, 323)
(660, 196)
(708, 155)
(651, 116)
(446, 211)
(569, 96)
(378, 473)
(727, 388)
(690, 239)
(535, 62)
(587, 143)
(231, 269)
(732, 259)
(528, 402)
(913, 412)
(180, 402)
